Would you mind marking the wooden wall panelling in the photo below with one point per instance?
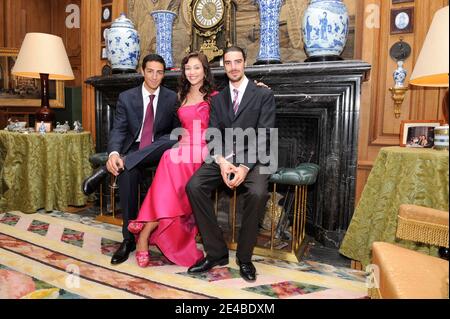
(90, 59)
(119, 6)
(2, 23)
(378, 125)
(70, 36)
(24, 16)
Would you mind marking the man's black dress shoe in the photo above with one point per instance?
(91, 183)
(247, 271)
(123, 252)
(205, 264)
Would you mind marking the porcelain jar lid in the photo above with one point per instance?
(122, 22)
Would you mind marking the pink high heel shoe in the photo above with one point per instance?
(142, 258)
(135, 227)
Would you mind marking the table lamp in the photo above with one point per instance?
(431, 69)
(43, 56)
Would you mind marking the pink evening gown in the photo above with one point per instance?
(166, 200)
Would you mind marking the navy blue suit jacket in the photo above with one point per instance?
(129, 117)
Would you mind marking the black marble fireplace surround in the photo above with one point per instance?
(317, 115)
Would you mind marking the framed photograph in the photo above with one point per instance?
(401, 1)
(402, 20)
(418, 133)
(103, 53)
(20, 91)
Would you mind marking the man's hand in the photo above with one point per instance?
(226, 168)
(240, 173)
(115, 164)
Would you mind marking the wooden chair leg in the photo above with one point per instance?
(272, 223)
(295, 219)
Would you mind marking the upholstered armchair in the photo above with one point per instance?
(404, 273)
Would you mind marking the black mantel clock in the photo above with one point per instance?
(213, 26)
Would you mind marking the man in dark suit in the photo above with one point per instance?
(241, 106)
(144, 119)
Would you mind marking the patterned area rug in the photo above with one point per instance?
(66, 256)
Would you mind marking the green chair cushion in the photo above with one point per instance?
(304, 174)
(98, 159)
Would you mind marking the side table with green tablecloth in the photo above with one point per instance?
(43, 171)
(400, 175)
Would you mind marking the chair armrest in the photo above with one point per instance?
(422, 224)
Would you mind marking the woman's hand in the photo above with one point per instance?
(262, 84)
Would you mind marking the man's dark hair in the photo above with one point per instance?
(153, 57)
(235, 49)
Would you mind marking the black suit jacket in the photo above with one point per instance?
(129, 118)
(256, 111)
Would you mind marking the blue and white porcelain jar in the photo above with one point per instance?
(325, 30)
(164, 26)
(122, 45)
(269, 45)
(399, 75)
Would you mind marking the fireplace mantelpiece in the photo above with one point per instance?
(317, 116)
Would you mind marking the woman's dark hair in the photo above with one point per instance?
(153, 57)
(184, 85)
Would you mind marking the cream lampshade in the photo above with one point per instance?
(43, 56)
(431, 67)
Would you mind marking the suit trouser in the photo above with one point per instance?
(255, 196)
(129, 181)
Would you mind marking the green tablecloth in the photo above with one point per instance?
(43, 171)
(400, 175)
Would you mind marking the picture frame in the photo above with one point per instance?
(106, 14)
(402, 20)
(418, 133)
(401, 1)
(20, 91)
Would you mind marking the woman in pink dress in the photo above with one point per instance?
(165, 218)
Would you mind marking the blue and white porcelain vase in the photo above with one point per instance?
(399, 75)
(325, 30)
(269, 45)
(164, 26)
(122, 45)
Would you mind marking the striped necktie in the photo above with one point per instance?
(236, 100)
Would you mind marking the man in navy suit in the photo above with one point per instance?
(144, 119)
(240, 107)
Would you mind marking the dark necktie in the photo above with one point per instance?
(147, 130)
(236, 100)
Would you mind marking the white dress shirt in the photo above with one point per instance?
(241, 90)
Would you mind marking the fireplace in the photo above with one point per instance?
(317, 117)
